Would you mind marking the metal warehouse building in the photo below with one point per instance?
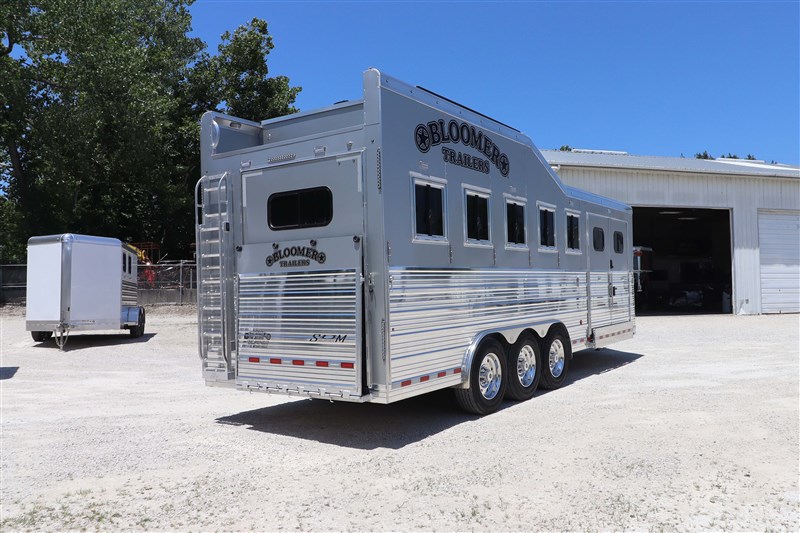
(724, 234)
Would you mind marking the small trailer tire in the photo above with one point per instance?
(488, 378)
(556, 354)
(41, 336)
(138, 330)
(524, 368)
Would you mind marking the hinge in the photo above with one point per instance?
(450, 246)
(388, 250)
(380, 182)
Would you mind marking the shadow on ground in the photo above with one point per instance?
(7, 372)
(368, 426)
(588, 363)
(83, 340)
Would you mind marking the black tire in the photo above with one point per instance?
(556, 355)
(486, 389)
(41, 336)
(138, 330)
(524, 368)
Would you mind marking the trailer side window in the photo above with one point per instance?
(515, 222)
(429, 207)
(123, 261)
(303, 208)
(573, 232)
(547, 227)
(618, 242)
(598, 239)
(477, 214)
(130, 269)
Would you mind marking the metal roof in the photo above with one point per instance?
(622, 160)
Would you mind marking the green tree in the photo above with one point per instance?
(703, 155)
(100, 110)
(565, 148)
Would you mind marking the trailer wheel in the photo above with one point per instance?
(488, 378)
(556, 353)
(138, 330)
(524, 368)
(41, 336)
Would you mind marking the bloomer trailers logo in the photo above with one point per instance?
(305, 253)
(437, 132)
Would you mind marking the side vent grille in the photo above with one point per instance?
(379, 170)
(281, 158)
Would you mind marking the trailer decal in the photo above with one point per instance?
(435, 133)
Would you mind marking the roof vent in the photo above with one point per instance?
(604, 152)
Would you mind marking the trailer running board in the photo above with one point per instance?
(602, 337)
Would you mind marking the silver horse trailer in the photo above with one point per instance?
(81, 283)
(391, 246)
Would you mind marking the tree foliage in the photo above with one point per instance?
(99, 125)
(705, 155)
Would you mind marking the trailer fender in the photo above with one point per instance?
(509, 334)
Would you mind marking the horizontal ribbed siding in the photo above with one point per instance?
(282, 321)
(130, 293)
(435, 314)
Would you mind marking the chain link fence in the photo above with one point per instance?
(163, 283)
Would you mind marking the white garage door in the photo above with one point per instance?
(779, 243)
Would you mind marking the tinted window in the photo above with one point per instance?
(304, 208)
(599, 239)
(477, 217)
(429, 210)
(547, 228)
(515, 218)
(618, 242)
(130, 269)
(573, 232)
(123, 262)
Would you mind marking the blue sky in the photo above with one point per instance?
(648, 78)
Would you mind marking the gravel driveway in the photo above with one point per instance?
(691, 425)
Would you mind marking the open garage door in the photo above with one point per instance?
(690, 267)
(779, 244)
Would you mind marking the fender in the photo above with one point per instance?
(510, 334)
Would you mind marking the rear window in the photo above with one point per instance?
(303, 208)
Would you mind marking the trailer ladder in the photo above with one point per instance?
(212, 222)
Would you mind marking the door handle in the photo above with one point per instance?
(611, 264)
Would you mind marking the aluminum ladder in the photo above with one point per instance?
(216, 344)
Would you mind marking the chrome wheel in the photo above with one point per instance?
(556, 358)
(490, 376)
(526, 365)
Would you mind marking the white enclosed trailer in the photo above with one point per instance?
(387, 247)
(81, 283)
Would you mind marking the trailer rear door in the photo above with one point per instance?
(300, 316)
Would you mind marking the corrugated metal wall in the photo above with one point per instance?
(744, 195)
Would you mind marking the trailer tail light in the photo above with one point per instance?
(441, 374)
(348, 365)
(298, 362)
(275, 361)
(253, 359)
(322, 363)
(457, 371)
(405, 383)
(424, 378)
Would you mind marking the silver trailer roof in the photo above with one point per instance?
(75, 237)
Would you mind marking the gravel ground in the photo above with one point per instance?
(691, 425)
